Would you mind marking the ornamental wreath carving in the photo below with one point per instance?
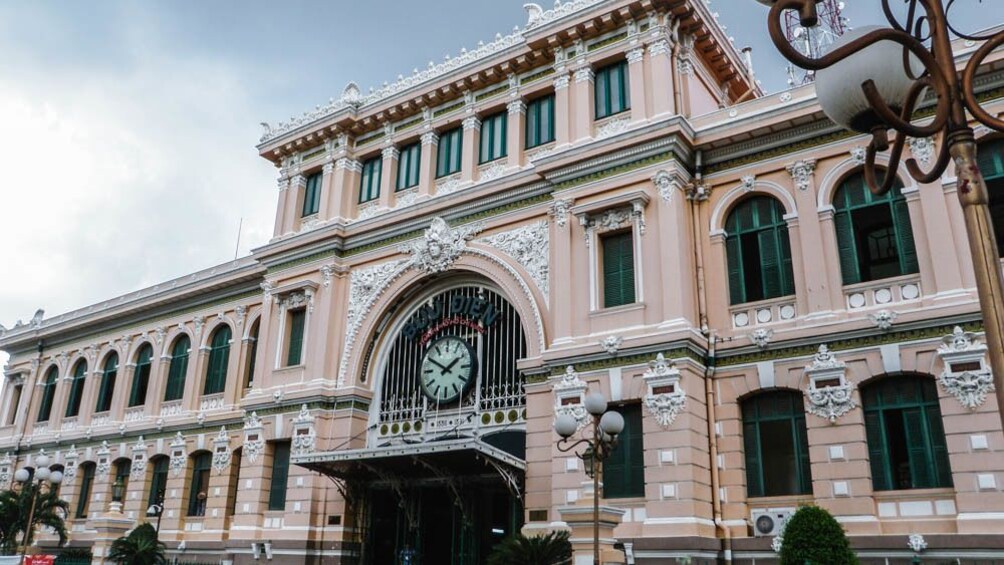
(528, 245)
(830, 394)
(665, 399)
(966, 375)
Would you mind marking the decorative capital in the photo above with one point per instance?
(516, 107)
(430, 138)
(801, 172)
(299, 181)
(660, 47)
(472, 122)
(665, 399)
(636, 55)
(391, 152)
(559, 211)
(667, 184)
(584, 74)
(562, 81)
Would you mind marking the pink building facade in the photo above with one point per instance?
(603, 200)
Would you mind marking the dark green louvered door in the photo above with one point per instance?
(624, 471)
(758, 251)
(618, 269)
(776, 445)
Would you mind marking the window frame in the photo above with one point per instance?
(607, 79)
(141, 377)
(409, 167)
(201, 466)
(281, 451)
(77, 383)
(84, 492)
(158, 478)
(312, 195)
(752, 419)
(536, 133)
(370, 179)
(624, 469)
(777, 237)
(450, 152)
(626, 298)
(106, 389)
(296, 331)
(493, 138)
(48, 394)
(176, 377)
(218, 362)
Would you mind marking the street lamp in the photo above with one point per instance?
(871, 81)
(157, 509)
(606, 426)
(117, 490)
(42, 476)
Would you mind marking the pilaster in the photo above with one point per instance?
(471, 150)
(562, 109)
(388, 177)
(817, 281)
(583, 106)
(517, 133)
(636, 74)
(427, 172)
(280, 215)
(660, 61)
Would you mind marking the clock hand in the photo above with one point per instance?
(449, 367)
(438, 364)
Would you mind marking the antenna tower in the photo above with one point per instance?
(814, 41)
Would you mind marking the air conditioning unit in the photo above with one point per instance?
(769, 523)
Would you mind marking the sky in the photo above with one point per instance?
(129, 127)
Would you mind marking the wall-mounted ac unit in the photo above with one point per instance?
(769, 523)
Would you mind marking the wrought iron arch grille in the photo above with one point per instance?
(494, 401)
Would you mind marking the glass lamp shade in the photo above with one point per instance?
(117, 488)
(565, 425)
(42, 461)
(612, 423)
(22, 475)
(153, 510)
(595, 403)
(56, 477)
(42, 473)
(838, 87)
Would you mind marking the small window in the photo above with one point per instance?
(76, 389)
(451, 146)
(776, 444)
(874, 234)
(179, 367)
(618, 269)
(612, 90)
(312, 195)
(280, 475)
(15, 400)
(624, 469)
(219, 358)
(48, 393)
(408, 166)
(107, 390)
(158, 480)
(540, 121)
(990, 157)
(294, 354)
(198, 491)
(122, 468)
(369, 183)
(906, 437)
(84, 492)
(493, 137)
(758, 251)
(253, 353)
(141, 376)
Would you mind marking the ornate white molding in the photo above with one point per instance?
(559, 211)
(583, 75)
(917, 543)
(966, 374)
(104, 457)
(858, 154)
(761, 337)
(304, 439)
(665, 399)
(537, 16)
(612, 128)
(70, 461)
(636, 55)
(5, 470)
(178, 454)
(138, 467)
(883, 319)
(829, 393)
(221, 450)
(430, 138)
(529, 246)
(471, 122)
(440, 247)
(801, 172)
(922, 149)
(492, 171)
(659, 47)
(254, 437)
(562, 81)
(611, 344)
(569, 394)
(667, 183)
(747, 182)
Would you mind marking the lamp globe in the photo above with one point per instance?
(42, 473)
(56, 477)
(612, 423)
(595, 403)
(565, 425)
(22, 475)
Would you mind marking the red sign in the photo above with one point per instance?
(39, 559)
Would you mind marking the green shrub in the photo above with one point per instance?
(73, 556)
(552, 549)
(140, 547)
(813, 536)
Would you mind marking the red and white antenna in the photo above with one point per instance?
(814, 41)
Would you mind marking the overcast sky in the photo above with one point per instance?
(129, 127)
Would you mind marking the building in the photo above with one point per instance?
(603, 200)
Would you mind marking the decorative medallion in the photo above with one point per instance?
(254, 440)
(665, 399)
(569, 394)
(221, 450)
(801, 172)
(922, 149)
(178, 454)
(138, 466)
(830, 394)
(667, 184)
(761, 337)
(883, 319)
(304, 440)
(966, 375)
(559, 211)
(70, 462)
(528, 245)
(104, 459)
(440, 247)
(611, 344)
(917, 543)
(748, 182)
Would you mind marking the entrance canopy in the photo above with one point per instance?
(434, 460)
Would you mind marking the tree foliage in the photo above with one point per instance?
(50, 511)
(139, 547)
(551, 549)
(813, 536)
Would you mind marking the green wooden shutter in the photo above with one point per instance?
(601, 90)
(312, 195)
(787, 270)
(158, 483)
(252, 361)
(84, 494)
(939, 447)
(200, 480)
(141, 377)
(618, 270)
(623, 87)
(443, 156)
(904, 235)
(107, 390)
(737, 285)
(770, 263)
(48, 393)
(918, 448)
(990, 158)
(175, 388)
(531, 137)
(76, 390)
(296, 323)
(280, 476)
(847, 248)
(803, 465)
(219, 357)
(751, 446)
(877, 451)
(624, 470)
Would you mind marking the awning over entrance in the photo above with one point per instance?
(434, 460)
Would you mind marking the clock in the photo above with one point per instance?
(448, 369)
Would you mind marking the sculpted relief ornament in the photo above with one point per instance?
(221, 450)
(254, 440)
(665, 399)
(569, 393)
(304, 440)
(830, 394)
(440, 247)
(966, 375)
(528, 245)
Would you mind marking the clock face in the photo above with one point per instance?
(448, 368)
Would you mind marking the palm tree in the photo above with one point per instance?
(552, 549)
(140, 547)
(50, 511)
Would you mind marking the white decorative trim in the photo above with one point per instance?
(492, 171)
(828, 400)
(747, 182)
(917, 543)
(562, 81)
(883, 319)
(559, 211)
(665, 399)
(538, 16)
(858, 155)
(584, 74)
(801, 172)
(529, 246)
(667, 184)
(440, 247)
(970, 386)
(178, 454)
(761, 337)
(611, 344)
(304, 438)
(254, 440)
(471, 123)
(636, 55)
(660, 47)
(221, 450)
(922, 149)
(430, 138)
(569, 394)
(612, 128)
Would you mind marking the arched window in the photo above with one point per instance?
(141, 376)
(874, 235)
(252, 353)
(198, 490)
(158, 480)
(76, 389)
(776, 444)
(86, 474)
(122, 469)
(759, 253)
(107, 390)
(906, 439)
(219, 357)
(48, 393)
(991, 160)
(179, 367)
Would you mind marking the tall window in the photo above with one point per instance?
(624, 470)
(48, 393)
(991, 160)
(253, 353)
(540, 121)
(369, 183)
(451, 146)
(493, 137)
(776, 445)
(219, 358)
(612, 90)
(312, 195)
(198, 490)
(107, 390)
(280, 475)
(235, 480)
(84, 492)
(15, 400)
(408, 166)
(906, 439)
(759, 252)
(141, 376)
(179, 367)
(874, 235)
(158, 480)
(122, 468)
(76, 389)
(294, 353)
(618, 269)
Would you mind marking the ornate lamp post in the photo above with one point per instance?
(597, 447)
(871, 82)
(43, 476)
(157, 509)
(117, 487)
